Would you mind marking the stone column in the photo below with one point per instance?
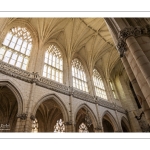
(137, 89)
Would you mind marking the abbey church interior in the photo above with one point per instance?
(74, 75)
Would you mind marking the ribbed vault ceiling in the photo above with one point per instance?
(87, 37)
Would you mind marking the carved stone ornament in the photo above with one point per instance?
(22, 116)
(122, 47)
(139, 31)
(26, 76)
(125, 33)
(98, 128)
(32, 117)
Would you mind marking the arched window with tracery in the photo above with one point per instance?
(16, 47)
(83, 128)
(60, 126)
(79, 77)
(99, 86)
(53, 64)
(35, 126)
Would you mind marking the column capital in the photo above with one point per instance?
(22, 116)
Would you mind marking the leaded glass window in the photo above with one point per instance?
(35, 126)
(60, 126)
(112, 88)
(83, 128)
(79, 77)
(53, 64)
(99, 86)
(16, 47)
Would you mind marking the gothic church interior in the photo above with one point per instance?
(74, 75)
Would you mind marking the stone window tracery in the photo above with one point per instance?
(16, 47)
(99, 86)
(83, 128)
(112, 88)
(53, 64)
(59, 127)
(35, 126)
(79, 77)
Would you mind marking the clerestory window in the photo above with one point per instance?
(99, 86)
(53, 64)
(16, 47)
(79, 77)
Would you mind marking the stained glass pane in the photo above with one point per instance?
(99, 86)
(53, 60)
(79, 78)
(15, 44)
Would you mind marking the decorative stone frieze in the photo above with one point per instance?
(83, 96)
(105, 103)
(22, 116)
(52, 85)
(130, 31)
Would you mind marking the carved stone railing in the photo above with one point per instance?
(120, 109)
(50, 84)
(82, 95)
(55, 86)
(105, 103)
(15, 72)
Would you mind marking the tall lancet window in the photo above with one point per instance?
(79, 77)
(99, 86)
(53, 64)
(16, 47)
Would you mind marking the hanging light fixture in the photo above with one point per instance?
(88, 120)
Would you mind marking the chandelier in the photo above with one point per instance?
(88, 120)
(59, 127)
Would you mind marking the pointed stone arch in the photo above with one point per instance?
(57, 100)
(109, 117)
(125, 125)
(16, 92)
(91, 114)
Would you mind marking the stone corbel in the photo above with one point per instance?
(98, 128)
(32, 117)
(35, 76)
(22, 116)
(68, 123)
(125, 33)
(122, 47)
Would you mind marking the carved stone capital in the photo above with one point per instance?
(122, 47)
(98, 128)
(22, 116)
(139, 31)
(32, 117)
(125, 33)
(68, 123)
(148, 30)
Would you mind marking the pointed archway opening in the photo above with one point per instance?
(83, 121)
(8, 110)
(124, 126)
(47, 115)
(107, 124)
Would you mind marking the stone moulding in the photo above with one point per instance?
(33, 77)
(130, 31)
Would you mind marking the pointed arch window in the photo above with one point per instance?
(35, 126)
(99, 86)
(112, 88)
(53, 64)
(79, 77)
(83, 128)
(16, 47)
